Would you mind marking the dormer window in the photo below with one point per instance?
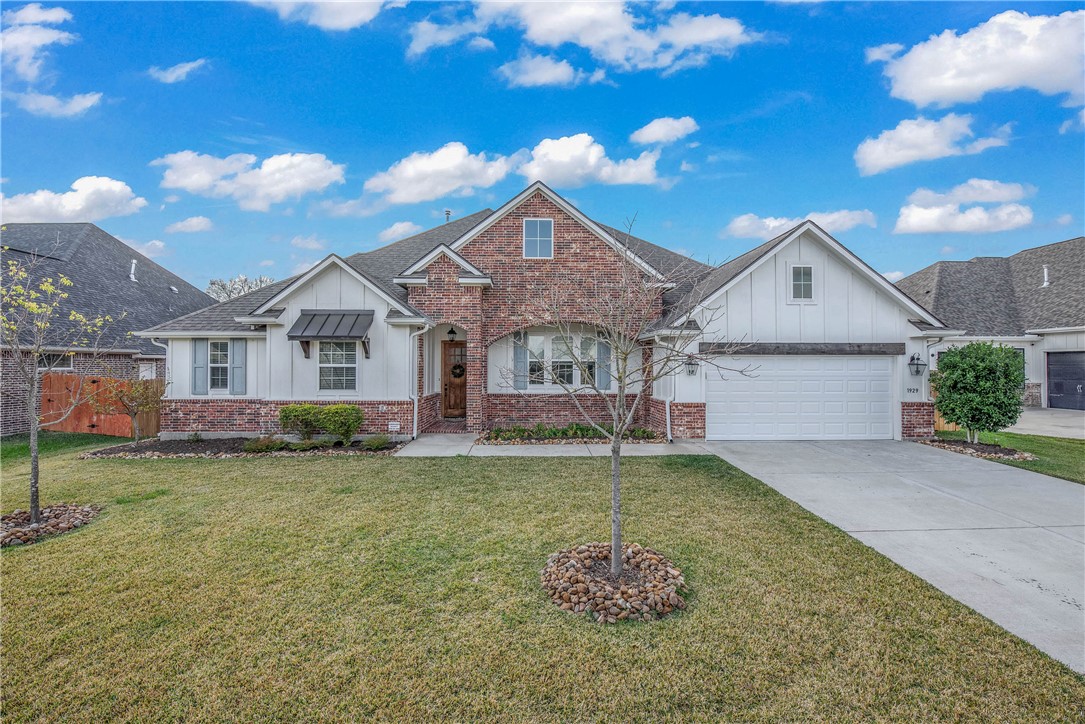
(802, 283)
(538, 238)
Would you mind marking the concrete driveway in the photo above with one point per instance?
(1007, 542)
(1051, 422)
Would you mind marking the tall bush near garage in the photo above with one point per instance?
(979, 387)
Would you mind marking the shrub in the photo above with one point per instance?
(267, 443)
(301, 420)
(303, 445)
(342, 421)
(376, 442)
(979, 387)
(195, 437)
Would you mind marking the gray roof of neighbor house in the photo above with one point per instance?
(1006, 296)
(99, 265)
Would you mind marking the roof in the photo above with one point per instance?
(1006, 296)
(99, 264)
(332, 324)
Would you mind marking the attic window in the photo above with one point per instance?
(538, 238)
(802, 283)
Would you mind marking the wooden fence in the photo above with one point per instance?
(939, 422)
(57, 391)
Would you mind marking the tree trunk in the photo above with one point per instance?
(135, 426)
(35, 421)
(616, 505)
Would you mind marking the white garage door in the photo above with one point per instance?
(802, 398)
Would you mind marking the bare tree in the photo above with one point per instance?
(130, 396)
(226, 289)
(39, 331)
(627, 344)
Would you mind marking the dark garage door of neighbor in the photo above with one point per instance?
(1066, 380)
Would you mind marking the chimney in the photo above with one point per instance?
(448, 215)
(132, 271)
(1047, 282)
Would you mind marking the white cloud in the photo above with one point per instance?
(573, 161)
(41, 104)
(1011, 50)
(92, 198)
(190, 225)
(1065, 220)
(338, 15)
(150, 250)
(481, 43)
(1075, 123)
(531, 71)
(664, 130)
(303, 266)
(267, 262)
(25, 40)
(893, 276)
(399, 230)
(451, 169)
(883, 53)
(35, 14)
(922, 139)
(687, 167)
(175, 73)
(172, 199)
(947, 250)
(255, 188)
(311, 242)
(929, 212)
(752, 226)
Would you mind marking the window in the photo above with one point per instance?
(338, 363)
(218, 364)
(52, 361)
(536, 359)
(587, 360)
(802, 283)
(562, 365)
(554, 360)
(538, 239)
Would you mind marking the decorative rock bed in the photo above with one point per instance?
(16, 528)
(154, 449)
(578, 580)
(980, 450)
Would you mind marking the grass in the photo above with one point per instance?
(390, 588)
(17, 447)
(1056, 456)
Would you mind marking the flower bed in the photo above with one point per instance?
(578, 580)
(980, 450)
(234, 447)
(573, 434)
(16, 528)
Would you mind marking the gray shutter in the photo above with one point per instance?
(602, 365)
(519, 361)
(237, 366)
(199, 366)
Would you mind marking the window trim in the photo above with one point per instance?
(549, 343)
(211, 389)
(523, 238)
(791, 298)
(322, 365)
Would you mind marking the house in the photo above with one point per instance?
(1033, 301)
(417, 333)
(108, 278)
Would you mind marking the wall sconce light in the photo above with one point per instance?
(451, 334)
(916, 365)
(691, 366)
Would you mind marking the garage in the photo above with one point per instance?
(1066, 380)
(802, 398)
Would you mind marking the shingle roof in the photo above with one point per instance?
(98, 265)
(1005, 296)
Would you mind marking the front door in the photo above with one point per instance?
(454, 375)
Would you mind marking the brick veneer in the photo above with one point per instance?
(917, 419)
(247, 417)
(688, 419)
(556, 410)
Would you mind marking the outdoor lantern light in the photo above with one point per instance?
(691, 366)
(916, 365)
(451, 334)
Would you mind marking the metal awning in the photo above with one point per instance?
(316, 324)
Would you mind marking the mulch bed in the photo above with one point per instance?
(16, 528)
(578, 580)
(227, 447)
(980, 450)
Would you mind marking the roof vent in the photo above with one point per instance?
(1047, 282)
(448, 215)
(132, 271)
(173, 289)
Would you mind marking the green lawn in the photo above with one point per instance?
(1056, 456)
(334, 588)
(17, 447)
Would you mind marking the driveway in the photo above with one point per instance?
(1051, 422)
(1007, 542)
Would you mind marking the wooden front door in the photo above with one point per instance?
(454, 376)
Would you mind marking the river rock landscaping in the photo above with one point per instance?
(16, 528)
(578, 580)
(236, 447)
(980, 450)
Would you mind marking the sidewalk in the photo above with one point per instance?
(450, 445)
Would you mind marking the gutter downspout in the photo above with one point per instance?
(412, 364)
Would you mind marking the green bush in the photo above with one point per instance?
(572, 431)
(376, 442)
(301, 420)
(342, 421)
(304, 445)
(267, 443)
(979, 387)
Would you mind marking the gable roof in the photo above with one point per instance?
(1006, 296)
(99, 265)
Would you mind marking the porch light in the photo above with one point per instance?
(451, 334)
(691, 366)
(917, 365)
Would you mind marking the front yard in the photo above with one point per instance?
(347, 588)
(1056, 456)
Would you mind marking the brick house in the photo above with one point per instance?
(108, 278)
(434, 333)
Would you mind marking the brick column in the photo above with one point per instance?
(916, 420)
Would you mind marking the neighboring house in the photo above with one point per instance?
(108, 278)
(1033, 301)
(418, 334)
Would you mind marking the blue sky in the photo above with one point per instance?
(255, 138)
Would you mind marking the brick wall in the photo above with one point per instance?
(917, 419)
(429, 411)
(247, 417)
(503, 410)
(688, 419)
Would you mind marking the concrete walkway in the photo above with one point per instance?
(450, 445)
(1050, 422)
(1006, 542)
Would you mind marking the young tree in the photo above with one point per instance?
(979, 387)
(624, 350)
(38, 330)
(131, 397)
(226, 289)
